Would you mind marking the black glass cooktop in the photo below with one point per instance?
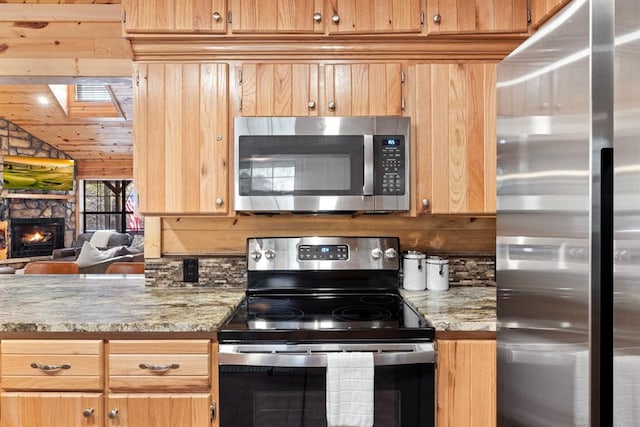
(324, 317)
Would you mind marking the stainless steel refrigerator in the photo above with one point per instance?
(568, 221)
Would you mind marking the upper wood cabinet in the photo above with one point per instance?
(148, 16)
(313, 89)
(454, 138)
(380, 16)
(180, 131)
(542, 10)
(277, 16)
(476, 16)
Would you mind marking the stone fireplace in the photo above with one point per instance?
(35, 236)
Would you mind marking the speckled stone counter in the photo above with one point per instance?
(461, 308)
(108, 303)
(116, 304)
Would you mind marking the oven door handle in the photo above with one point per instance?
(231, 355)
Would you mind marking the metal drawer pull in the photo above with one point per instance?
(159, 368)
(88, 413)
(49, 368)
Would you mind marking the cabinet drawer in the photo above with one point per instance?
(159, 365)
(52, 365)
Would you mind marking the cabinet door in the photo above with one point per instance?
(279, 90)
(159, 410)
(51, 409)
(476, 16)
(466, 380)
(380, 16)
(361, 90)
(148, 16)
(180, 155)
(277, 16)
(455, 138)
(542, 10)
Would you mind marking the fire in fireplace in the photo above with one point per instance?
(35, 236)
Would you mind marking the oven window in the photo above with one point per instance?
(304, 165)
(253, 396)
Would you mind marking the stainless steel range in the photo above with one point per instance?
(308, 297)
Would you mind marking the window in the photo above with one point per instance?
(92, 93)
(108, 205)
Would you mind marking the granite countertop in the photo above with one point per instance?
(108, 303)
(122, 303)
(460, 308)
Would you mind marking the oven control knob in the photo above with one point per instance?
(376, 253)
(270, 254)
(390, 253)
(256, 255)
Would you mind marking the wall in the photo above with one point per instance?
(16, 141)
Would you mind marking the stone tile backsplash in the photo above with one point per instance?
(230, 272)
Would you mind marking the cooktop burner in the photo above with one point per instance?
(319, 317)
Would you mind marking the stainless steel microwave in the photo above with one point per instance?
(321, 164)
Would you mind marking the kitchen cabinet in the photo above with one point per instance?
(277, 16)
(454, 138)
(381, 16)
(180, 157)
(161, 383)
(542, 10)
(312, 89)
(466, 383)
(55, 383)
(476, 16)
(157, 16)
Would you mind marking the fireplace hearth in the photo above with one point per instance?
(35, 236)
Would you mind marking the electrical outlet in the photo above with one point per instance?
(190, 269)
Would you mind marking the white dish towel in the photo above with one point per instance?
(350, 389)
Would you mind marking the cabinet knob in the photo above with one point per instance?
(312, 105)
(113, 414)
(425, 203)
(331, 105)
(437, 18)
(336, 18)
(317, 17)
(219, 201)
(216, 16)
(88, 413)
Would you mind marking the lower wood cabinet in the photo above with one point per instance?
(50, 409)
(159, 410)
(160, 383)
(466, 383)
(123, 383)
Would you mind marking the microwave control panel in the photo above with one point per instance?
(389, 168)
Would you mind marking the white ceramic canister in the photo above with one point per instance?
(414, 271)
(437, 273)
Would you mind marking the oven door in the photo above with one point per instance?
(304, 173)
(285, 386)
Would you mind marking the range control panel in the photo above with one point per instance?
(323, 252)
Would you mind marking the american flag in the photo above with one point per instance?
(134, 222)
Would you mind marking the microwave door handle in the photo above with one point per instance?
(367, 189)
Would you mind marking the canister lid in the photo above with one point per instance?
(434, 259)
(414, 255)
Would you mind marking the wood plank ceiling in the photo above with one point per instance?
(39, 46)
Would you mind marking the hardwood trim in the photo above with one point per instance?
(465, 335)
(21, 68)
(457, 48)
(60, 12)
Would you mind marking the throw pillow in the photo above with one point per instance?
(100, 238)
(90, 255)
